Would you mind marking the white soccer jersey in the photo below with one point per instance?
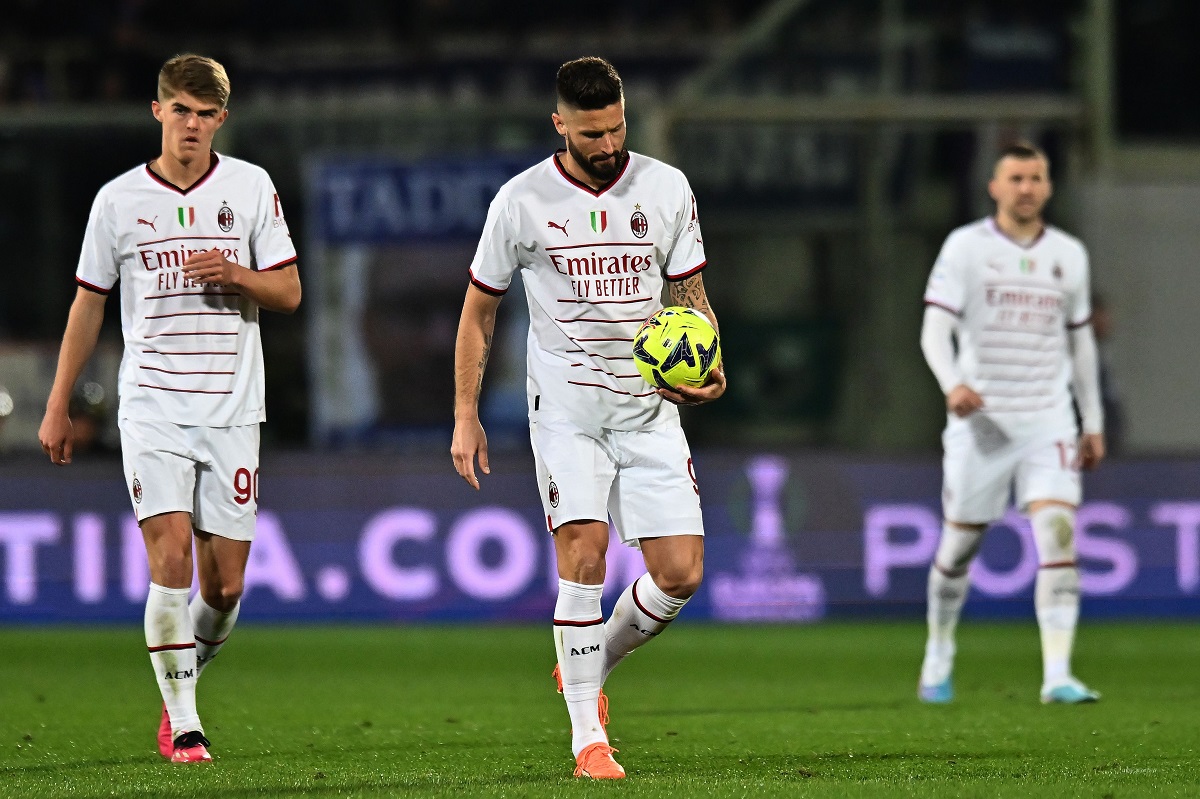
(1015, 305)
(593, 264)
(193, 355)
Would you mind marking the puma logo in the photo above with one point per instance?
(148, 224)
(562, 227)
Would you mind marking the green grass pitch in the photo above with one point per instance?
(706, 710)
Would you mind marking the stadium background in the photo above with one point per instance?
(831, 146)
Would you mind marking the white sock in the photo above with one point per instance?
(642, 612)
(211, 627)
(946, 594)
(1056, 592)
(579, 640)
(1056, 597)
(173, 654)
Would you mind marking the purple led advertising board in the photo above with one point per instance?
(790, 538)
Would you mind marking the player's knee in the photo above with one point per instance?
(957, 547)
(1054, 533)
(682, 582)
(223, 596)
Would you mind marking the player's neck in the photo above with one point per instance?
(573, 169)
(1021, 232)
(181, 174)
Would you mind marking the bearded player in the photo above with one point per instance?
(595, 231)
(1014, 294)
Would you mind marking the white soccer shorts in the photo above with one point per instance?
(209, 472)
(979, 472)
(643, 479)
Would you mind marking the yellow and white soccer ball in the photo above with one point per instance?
(676, 347)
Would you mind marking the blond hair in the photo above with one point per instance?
(199, 76)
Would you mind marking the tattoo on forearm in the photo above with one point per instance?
(690, 294)
(483, 359)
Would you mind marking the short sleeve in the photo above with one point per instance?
(687, 254)
(496, 257)
(946, 288)
(1080, 311)
(99, 267)
(272, 245)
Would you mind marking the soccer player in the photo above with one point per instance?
(1014, 294)
(199, 243)
(595, 231)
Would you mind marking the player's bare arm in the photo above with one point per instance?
(79, 340)
(475, 329)
(275, 290)
(690, 293)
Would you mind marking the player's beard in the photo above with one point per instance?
(604, 169)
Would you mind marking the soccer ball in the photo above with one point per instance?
(676, 347)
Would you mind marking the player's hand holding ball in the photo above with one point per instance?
(677, 351)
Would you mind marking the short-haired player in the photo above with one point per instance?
(1007, 334)
(199, 244)
(595, 231)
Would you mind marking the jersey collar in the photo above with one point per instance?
(991, 223)
(213, 160)
(580, 184)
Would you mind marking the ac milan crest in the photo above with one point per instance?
(639, 224)
(137, 491)
(553, 493)
(225, 217)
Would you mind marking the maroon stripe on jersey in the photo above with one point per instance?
(171, 372)
(584, 186)
(160, 352)
(486, 289)
(213, 160)
(193, 333)
(193, 294)
(605, 302)
(607, 388)
(1077, 325)
(189, 238)
(182, 390)
(171, 647)
(281, 264)
(194, 313)
(687, 274)
(603, 321)
(569, 623)
(603, 244)
(945, 308)
(604, 357)
(605, 371)
(603, 339)
(1015, 329)
(92, 287)
(642, 607)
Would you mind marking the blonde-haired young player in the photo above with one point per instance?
(199, 244)
(595, 232)
(1014, 294)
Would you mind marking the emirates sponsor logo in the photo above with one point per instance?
(593, 264)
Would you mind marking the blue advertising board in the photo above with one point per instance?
(790, 537)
